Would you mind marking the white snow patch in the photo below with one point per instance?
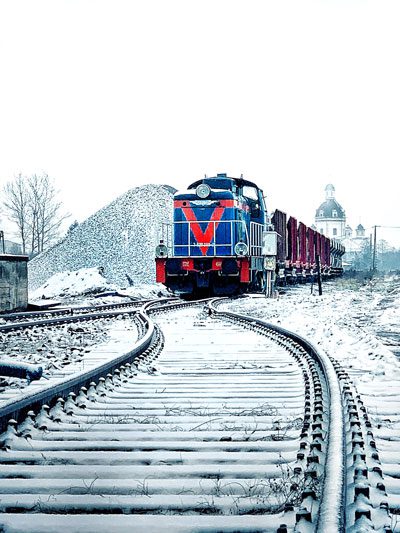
(73, 283)
(79, 287)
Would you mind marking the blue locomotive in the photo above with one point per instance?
(220, 242)
(216, 243)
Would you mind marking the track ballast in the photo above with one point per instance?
(228, 428)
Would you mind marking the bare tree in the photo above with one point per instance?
(15, 205)
(31, 202)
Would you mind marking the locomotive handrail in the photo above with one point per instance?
(194, 227)
(254, 240)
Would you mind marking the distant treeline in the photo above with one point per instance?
(386, 258)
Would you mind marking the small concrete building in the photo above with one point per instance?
(13, 282)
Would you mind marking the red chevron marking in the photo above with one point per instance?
(205, 237)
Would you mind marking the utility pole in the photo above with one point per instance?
(374, 252)
(319, 275)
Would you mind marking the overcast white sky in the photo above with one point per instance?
(105, 95)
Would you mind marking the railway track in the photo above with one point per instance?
(64, 342)
(214, 422)
(23, 320)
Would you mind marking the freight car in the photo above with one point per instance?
(300, 248)
(223, 242)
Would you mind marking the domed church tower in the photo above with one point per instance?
(360, 231)
(330, 218)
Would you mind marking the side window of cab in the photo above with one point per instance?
(251, 195)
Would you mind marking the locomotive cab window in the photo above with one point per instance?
(250, 192)
(251, 195)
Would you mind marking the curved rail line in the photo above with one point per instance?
(57, 311)
(353, 491)
(330, 516)
(330, 489)
(14, 366)
(70, 314)
(149, 336)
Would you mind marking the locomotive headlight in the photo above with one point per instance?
(241, 248)
(203, 190)
(161, 251)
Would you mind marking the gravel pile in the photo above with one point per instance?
(120, 238)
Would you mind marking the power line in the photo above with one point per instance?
(385, 227)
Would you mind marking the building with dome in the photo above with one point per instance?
(354, 244)
(330, 217)
(330, 220)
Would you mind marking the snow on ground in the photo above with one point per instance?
(349, 321)
(121, 238)
(355, 322)
(358, 323)
(84, 287)
(79, 282)
(69, 344)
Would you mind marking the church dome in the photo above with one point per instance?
(360, 231)
(331, 207)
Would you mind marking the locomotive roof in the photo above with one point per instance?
(239, 182)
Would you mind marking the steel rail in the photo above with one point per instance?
(69, 310)
(73, 315)
(200, 470)
(18, 408)
(64, 320)
(168, 305)
(69, 316)
(323, 509)
(331, 514)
